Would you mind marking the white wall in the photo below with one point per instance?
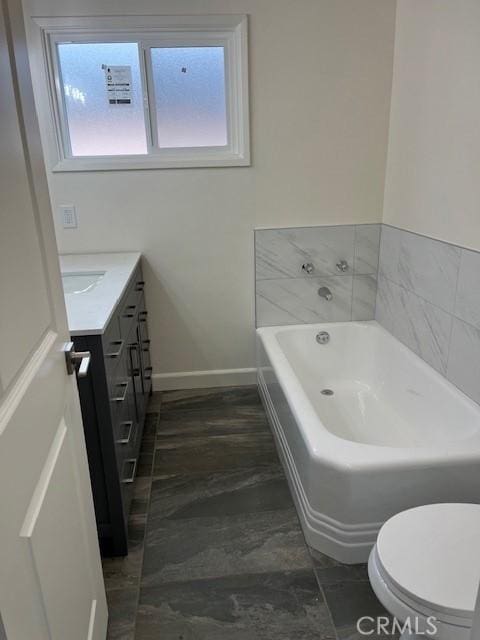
(320, 81)
(433, 170)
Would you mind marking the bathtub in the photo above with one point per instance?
(393, 434)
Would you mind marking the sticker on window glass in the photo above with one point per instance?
(119, 84)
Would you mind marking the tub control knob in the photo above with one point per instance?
(308, 268)
(323, 337)
(342, 266)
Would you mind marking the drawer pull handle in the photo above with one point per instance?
(121, 398)
(148, 370)
(147, 341)
(130, 311)
(133, 462)
(140, 285)
(115, 354)
(128, 424)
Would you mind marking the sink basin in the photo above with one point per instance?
(81, 281)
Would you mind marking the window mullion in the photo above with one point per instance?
(146, 88)
(150, 91)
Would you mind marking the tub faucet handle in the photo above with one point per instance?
(324, 292)
(342, 266)
(308, 268)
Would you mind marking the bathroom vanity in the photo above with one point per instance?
(107, 317)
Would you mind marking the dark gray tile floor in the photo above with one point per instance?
(122, 575)
(217, 549)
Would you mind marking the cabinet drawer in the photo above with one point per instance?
(129, 305)
(125, 431)
(112, 345)
(127, 477)
(144, 346)
(125, 426)
(128, 314)
(129, 469)
(135, 370)
(112, 355)
(120, 391)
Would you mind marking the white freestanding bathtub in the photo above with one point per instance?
(395, 434)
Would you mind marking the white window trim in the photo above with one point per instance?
(229, 31)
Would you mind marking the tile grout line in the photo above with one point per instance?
(454, 317)
(322, 226)
(353, 272)
(377, 274)
(317, 579)
(322, 591)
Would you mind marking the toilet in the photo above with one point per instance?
(425, 570)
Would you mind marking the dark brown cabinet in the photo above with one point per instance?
(113, 398)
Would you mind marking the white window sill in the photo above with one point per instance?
(127, 163)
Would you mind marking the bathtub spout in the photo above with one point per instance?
(324, 292)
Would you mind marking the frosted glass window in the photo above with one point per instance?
(95, 126)
(153, 92)
(190, 96)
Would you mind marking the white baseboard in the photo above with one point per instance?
(203, 379)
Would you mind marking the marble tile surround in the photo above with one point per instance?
(429, 298)
(424, 291)
(285, 294)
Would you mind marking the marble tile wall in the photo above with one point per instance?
(285, 294)
(424, 291)
(429, 298)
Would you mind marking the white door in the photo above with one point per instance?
(51, 584)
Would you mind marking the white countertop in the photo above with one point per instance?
(90, 312)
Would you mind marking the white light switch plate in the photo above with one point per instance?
(69, 216)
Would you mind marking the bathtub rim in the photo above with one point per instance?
(348, 455)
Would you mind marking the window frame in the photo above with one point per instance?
(229, 31)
